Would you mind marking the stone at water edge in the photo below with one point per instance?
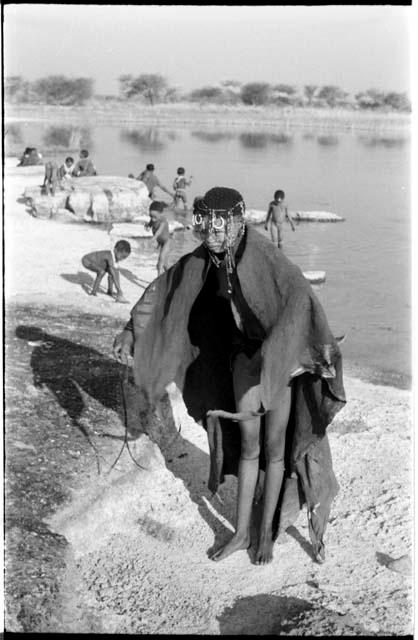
(137, 229)
(46, 207)
(315, 277)
(401, 565)
(94, 199)
(258, 216)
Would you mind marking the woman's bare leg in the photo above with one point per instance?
(247, 398)
(276, 423)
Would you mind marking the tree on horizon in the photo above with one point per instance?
(150, 86)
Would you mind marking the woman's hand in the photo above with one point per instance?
(123, 346)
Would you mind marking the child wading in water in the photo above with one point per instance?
(159, 227)
(179, 185)
(278, 213)
(102, 262)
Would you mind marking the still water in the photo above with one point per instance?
(364, 177)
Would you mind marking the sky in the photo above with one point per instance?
(354, 47)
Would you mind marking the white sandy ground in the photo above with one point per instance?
(139, 538)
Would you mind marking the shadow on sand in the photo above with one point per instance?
(86, 281)
(68, 369)
(266, 614)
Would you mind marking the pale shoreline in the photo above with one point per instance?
(188, 114)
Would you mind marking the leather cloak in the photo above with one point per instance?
(182, 333)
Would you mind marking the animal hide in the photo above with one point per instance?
(183, 332)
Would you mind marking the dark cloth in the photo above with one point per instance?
(184, 332)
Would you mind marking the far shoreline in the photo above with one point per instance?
(184, 114)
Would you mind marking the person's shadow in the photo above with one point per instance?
(65, 367)
(85, 280)
(133, 278)
(267, 614)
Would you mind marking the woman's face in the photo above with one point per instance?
(212, 231)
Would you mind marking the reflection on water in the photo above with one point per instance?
(213, 136)
(13, 134)
(250, 140)
(327, 141)
(148, 138)
(13, 140)
(253, 140)
(67, 137)
(281, 138)
(382, 141)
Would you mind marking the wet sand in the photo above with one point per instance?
(91, 548)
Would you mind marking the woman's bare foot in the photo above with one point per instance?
(237, 542)
(264, 553)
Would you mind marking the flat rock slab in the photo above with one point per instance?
(258, 216)
(136, 229)
(315, 277)
(93, 199)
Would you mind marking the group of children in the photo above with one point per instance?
(106, 262)
(102, 262)
(55, 177)
(148, 177)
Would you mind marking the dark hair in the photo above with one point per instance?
(279, 194)
(157, 205)
(69, 158)
(84, 153)
(123, 246)
(150, 167)
(222, 198)
(180, 171)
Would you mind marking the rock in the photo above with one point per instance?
(315, 277)
(257, 216)
(316, 216)
(135, 230)
(94, 199)
(64, 215)
(47, 206)
(402, 565)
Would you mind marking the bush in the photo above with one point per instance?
(256, 93)
(370, 99)
(333, 96)
(62, 90)
(207, 94)
(397, 101)
(152, 87)
(16, 89)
